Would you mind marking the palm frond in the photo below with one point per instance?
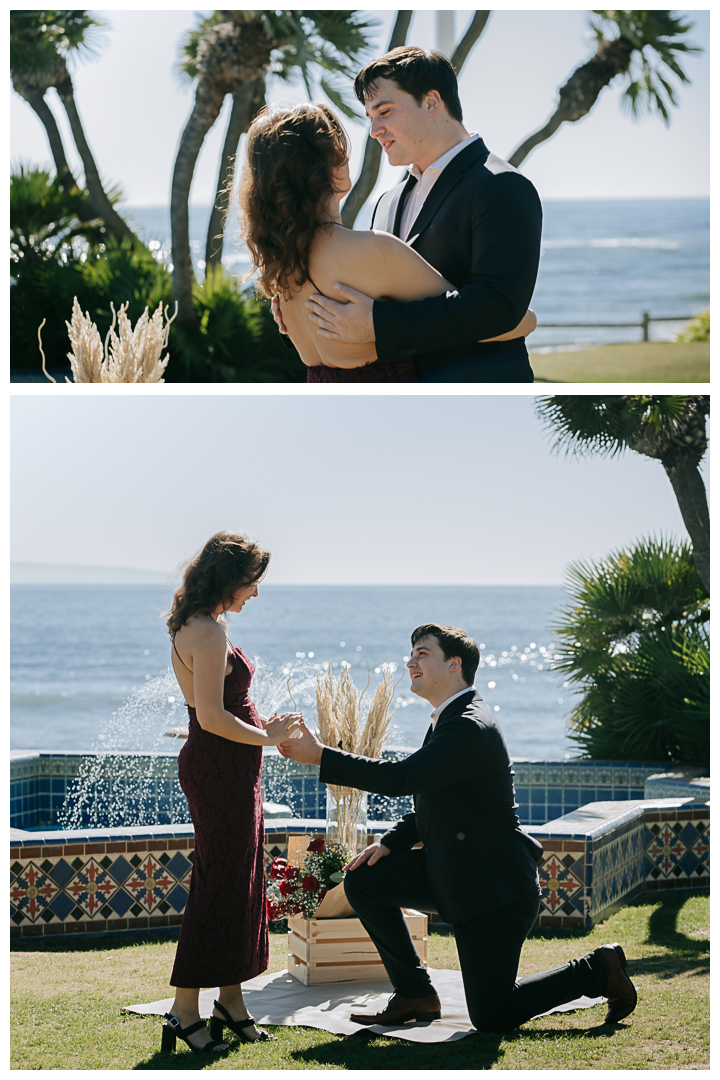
(608, 425)
(336, 97)
(657, 40)
(37, 38)
(634, 640)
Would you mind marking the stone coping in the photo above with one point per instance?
(19, 838)
(592, 821)
(587, 823)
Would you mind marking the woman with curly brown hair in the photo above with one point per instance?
(295, 176)
(224, 934)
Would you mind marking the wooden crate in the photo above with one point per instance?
(340, 950)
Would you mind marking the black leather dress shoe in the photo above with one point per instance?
(399, 1010)
(620, 992)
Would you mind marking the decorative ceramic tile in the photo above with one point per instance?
(149, 884)
(617, 868)
(559, 885)
(677, 850)
(91, 888)
(30, 893)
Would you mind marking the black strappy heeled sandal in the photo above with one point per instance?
(217, 1025)
(173, 1030)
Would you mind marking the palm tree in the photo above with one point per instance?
(40, 41)
(634, 640)
(233, 52)
(644, 49)
(370, 170)
(669, 428)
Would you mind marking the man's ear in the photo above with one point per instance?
(455, 664)
(433, 102)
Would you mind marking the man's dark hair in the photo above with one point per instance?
(416, 71)
(453, 642)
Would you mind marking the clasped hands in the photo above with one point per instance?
(307, 749)
(351, 322)
(304, 748)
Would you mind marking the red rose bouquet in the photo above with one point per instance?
(296, 890)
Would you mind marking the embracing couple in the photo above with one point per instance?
(439, 289)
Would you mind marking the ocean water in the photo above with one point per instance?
(90, 663)
(602, 261)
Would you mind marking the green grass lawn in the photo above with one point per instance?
(640, 363)
(66, 1001)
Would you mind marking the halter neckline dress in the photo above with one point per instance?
(224, 933)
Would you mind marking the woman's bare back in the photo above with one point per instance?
(377, 264)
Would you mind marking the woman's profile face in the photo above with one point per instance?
(245, 592)
(341, 179)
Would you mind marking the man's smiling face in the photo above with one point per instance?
(400, 124)
(431, 675)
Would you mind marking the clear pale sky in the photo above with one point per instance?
(344, 490)
(134, 108)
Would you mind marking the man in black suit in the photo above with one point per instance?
(476, 866)
(475, 218)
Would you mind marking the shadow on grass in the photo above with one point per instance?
(102, 942)
(683, 952)
(365, 1050)
(184, 1059)
(480, 1050)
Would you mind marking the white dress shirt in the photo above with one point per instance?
(435, 714)
(416, 199)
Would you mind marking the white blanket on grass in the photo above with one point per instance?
(277, 998)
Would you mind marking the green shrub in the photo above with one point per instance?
(57, 253)
(635, 642)
(43, 288)
(698, 329)
(235, 340)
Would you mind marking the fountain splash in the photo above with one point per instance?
(129, 777)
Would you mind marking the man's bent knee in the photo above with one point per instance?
(358, 882)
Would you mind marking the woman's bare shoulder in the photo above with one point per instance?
(201, 630)
(377, 263)
(341, 240)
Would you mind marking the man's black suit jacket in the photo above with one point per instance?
(477, 856)
(480, 227)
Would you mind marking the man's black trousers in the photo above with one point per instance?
(486, 361)
(488, 946)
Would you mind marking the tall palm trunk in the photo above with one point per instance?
(580, 92)
(192, 139)
(247, 102)
(363, 186)
(681, 448)
(471, 35)
(689, 489)
(36, 100)
(229, 56)
(96, 192)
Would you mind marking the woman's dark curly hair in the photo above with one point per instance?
(286, 188)
(227, 562)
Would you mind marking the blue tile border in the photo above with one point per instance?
(544, 789)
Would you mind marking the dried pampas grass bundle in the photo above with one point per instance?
(129, 356)
(340, 724)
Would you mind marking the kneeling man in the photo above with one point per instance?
(476, 866)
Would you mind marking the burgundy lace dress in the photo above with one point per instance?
(379, 371)
(224, 933)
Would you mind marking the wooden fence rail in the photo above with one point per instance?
(644, 325)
